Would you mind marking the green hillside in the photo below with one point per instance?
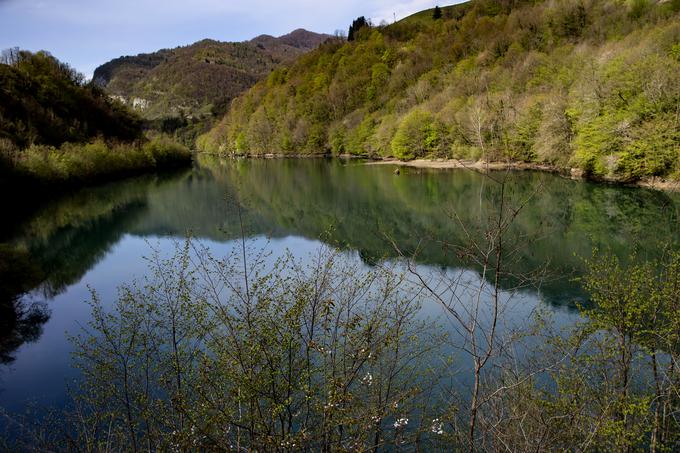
(57, 129)
(587, 84)
(200, 78)
(448, 12)
(44, 101)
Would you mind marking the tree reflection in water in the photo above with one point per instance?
(20, 321)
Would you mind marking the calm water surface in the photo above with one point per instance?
(97, 239)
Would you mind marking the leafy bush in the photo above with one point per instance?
(523, 135)
(654, 153)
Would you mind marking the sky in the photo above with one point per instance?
(88, 33)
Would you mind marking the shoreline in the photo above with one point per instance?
(655, 183)
(468, 164)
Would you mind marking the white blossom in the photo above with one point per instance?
(437, 426)
(400, 423)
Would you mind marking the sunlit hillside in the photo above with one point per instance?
(587, 84)
(201, 78)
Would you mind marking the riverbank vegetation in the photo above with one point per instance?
(77, 163)
(589, 85)
(56, 129)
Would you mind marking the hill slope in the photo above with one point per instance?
(58, 131)
(197, 78)
(590, 84)
(44, 101)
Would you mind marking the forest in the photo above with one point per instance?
(183, 91)
(56, 128)
(589, 85)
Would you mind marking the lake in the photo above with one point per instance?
(98, 237)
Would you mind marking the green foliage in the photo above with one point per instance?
(56, 129)
(44, 101)
(654, 153)
(638, 302)
(568, 83)
(573, 21)
(241, 143)
(675, 51)
(358, 139)
(523, 135)
(638, 8)
(627, 131)
(637, 299)
(427, 15)
(96, 161)
(418, 135)
(357, 24)
(675, 5)
(615, 375)
(596, 141)
(380, 74)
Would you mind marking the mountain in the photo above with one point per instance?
(299, 39)
(201, 78)
(590, 85)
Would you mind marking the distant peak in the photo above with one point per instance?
(299, 31)
(262, 38)
(299, 38)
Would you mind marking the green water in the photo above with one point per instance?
(98, 237)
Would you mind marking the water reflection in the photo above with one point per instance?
(356, 207)
(20, 321)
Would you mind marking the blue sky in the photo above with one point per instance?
(87, 33)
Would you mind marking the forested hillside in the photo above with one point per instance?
(56, 128)
(591, 84)
(201, 78)
(44, 101)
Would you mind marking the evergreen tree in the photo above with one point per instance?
(357, 24)
(437, 14)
